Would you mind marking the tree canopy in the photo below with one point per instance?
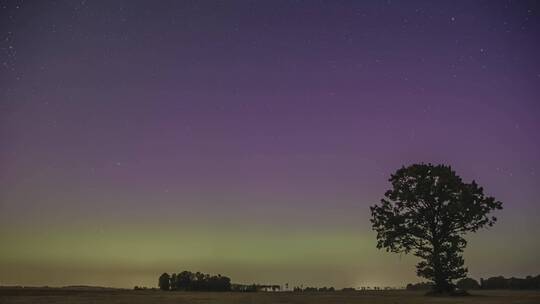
(467, 283)
(198, 281)
(428, 211)
(164, 281)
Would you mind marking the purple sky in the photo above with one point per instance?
(276, 117)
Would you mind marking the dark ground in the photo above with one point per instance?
(116, 296)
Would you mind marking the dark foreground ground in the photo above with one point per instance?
(58, 295)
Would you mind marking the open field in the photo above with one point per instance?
(61, 296)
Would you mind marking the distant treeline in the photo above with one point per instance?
(499, 282)
(330, 289)
(254, 287)
(198, 281)
(313, 289)
(258, 287)
(189, 281)
(420, 286)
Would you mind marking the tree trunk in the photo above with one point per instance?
(442, 285)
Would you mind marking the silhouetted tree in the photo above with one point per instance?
(467, 284)
(427, 211)
(173, 282)
(420, 286)
(164, 281)
(183, 280)
(187, 280)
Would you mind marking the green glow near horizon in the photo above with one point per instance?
(128, 255)
(235, 252)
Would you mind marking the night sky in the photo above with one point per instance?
(249, 138)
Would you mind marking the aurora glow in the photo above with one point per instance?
(250, 138)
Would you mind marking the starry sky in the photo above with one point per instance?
(249, 138)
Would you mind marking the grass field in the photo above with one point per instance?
(60, 296)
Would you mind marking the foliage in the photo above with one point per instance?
(501, 282)
(427, 212)
(254, 287)
(164, 281)
(467, 284)
(420, 286)
(189, 281)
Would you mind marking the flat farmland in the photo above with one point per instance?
(63, 296)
